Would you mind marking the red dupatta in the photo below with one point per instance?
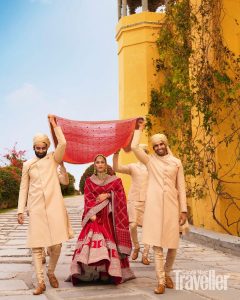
(114, 186)
(86, 139)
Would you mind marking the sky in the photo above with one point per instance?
(58, 57)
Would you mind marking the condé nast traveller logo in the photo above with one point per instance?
(200, 280)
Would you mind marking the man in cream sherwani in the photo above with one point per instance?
(165, 208)
(64, 180)
(40, 191)
(136, 200)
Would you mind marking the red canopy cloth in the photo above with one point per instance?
(86, 139)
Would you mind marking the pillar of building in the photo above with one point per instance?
(137, 50)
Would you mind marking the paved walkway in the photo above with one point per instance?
(17, 276)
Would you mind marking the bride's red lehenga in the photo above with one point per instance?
(103, 245)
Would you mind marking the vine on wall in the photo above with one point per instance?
(198, 103)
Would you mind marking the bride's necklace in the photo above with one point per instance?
(102, 176)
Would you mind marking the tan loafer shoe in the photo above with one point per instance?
(169, 283)
(40, 289)
(53, 280)
(135, 253)
(160, 289)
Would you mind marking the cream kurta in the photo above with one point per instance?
(40, 191)
(137, 192)
(166, 197)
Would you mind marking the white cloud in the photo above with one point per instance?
(26, 94)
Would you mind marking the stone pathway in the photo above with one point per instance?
(194, 262)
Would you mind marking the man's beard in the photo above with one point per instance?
(162, 153)
(41, 155)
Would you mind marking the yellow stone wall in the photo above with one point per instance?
(225, 156)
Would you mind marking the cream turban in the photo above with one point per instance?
(159, 137)
(143, 146)
(41, 138)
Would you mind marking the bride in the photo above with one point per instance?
(104, 242)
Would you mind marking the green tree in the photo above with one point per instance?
(68, 190)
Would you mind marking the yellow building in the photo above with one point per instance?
(136, 33)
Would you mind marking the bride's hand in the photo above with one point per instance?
(102, 197)
(93, 218)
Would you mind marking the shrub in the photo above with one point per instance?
(10, 178)
(69, 189)
(15, 158)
